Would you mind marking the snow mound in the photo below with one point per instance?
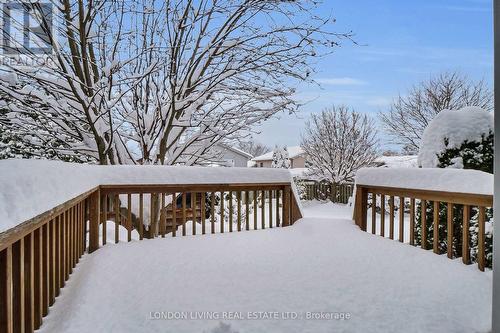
(456, 126)
(431, 179)
(403, 161)
(31, 187)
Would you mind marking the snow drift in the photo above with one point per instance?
(431, 179)
(31, 187)
(456, 127)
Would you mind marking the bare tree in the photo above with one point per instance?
(338, 142)
(162, 81)
(409, 114)
(253, 147)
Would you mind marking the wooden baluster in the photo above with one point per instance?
(141, 216)
(184, 217)
(64, 261)
(466, 235)
(163, 216)
(286, 206)
(46, 258)
(80, 230)
(277, 208)
(480, 239)
(52, 262)
(73, 237)
(212, 213)
(193, 210)
(435, 231)
(117, 218)
(38, 273)
(247, 211)
(263, 210)
(6, 297)
(391, 217)
(449, 230)
(222, 211)
(129, 217)
(238, 199)
(104, 218)
(174, 214)
(412, 221)
(29, 283)
(86, 217)
(382, 215)
(270, 208)
(374, 212)
(203, 213)
(18, 286)
(152, 215)
(423, 216)
(255, 207)
(230, 206)
(401, 218)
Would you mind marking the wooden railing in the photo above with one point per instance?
(416, 205)
(38, 256)
(337, 193)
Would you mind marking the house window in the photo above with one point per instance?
(261, 164)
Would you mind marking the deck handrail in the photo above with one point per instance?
(444, 204)
(37, 256)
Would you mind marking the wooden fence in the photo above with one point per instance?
(38, 256)
(338, 193)
(440, 204)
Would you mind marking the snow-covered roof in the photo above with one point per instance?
(432, 179)
(456, 126)
(236, 150)
(293, 152)
(402, 161)
(31, 187)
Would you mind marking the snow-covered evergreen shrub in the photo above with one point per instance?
(458, 139)
(301, 187)
(280, 158)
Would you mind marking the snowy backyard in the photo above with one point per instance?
(322, 264)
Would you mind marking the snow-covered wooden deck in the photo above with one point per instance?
(322, 264)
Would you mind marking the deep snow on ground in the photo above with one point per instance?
(323, 263)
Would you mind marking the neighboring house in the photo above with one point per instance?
(231, 157)
(295, 154)
(403, 161)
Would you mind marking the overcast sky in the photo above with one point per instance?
(401, 43)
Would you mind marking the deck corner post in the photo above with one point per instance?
(94, 220)
(360, 207)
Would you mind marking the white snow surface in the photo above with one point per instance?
(402, 161)
(31, 187)
(433, 179)
(293, 152)
(456, 126)
(323, 263)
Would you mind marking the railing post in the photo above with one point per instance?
(360, 209)
(94, 220)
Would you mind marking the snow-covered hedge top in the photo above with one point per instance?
(31, 187)
(457, 126)
(433, 179)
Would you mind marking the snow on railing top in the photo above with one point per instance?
(431, 179)
(31, 187)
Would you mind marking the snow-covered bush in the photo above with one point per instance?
(280, 158)
(461, 139)
(458, 139)
(301, 186)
